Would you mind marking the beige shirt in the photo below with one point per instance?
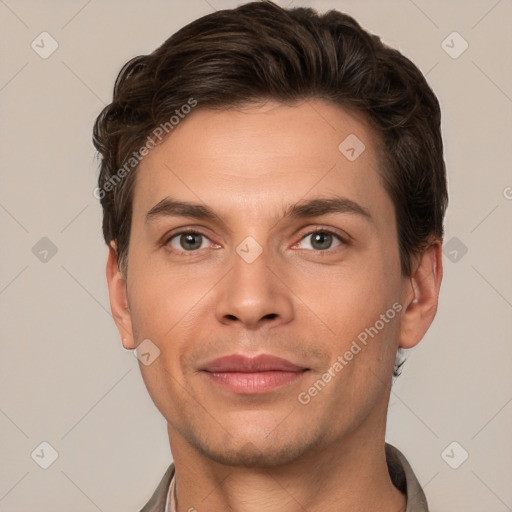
(402, 476)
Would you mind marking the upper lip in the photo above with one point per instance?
(244, 364)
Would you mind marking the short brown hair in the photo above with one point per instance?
(260, 51)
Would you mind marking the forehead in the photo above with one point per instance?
(261, 157)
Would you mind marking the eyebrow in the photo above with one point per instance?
(315, 207)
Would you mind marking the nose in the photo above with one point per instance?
(254, 294)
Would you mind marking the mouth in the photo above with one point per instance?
(252, 375)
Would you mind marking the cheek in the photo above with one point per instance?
(360, 307)
(169, 309)
(160, 299)
(160, 308)
(349, 298)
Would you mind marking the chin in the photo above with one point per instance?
(256, 450)
(250, 456)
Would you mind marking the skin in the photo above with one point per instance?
(299, 300)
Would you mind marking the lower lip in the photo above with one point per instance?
(254, 383)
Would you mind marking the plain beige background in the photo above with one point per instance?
(65, 378)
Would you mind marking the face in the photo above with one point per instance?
(290, 252)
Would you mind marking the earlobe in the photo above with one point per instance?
(118, 298)
(421, 292)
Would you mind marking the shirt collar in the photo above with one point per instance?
(170, 504)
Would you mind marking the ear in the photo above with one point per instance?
(421, 292)
(118, 298)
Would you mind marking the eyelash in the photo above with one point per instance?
(167, 239)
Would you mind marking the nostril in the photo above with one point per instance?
(270, 316)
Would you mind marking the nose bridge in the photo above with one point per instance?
(251, 293)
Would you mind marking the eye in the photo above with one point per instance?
(322, 240)
(187, 241)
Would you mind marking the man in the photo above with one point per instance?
(273, 191)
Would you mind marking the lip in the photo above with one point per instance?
(252, 375)
(244, 364)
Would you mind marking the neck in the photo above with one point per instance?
(351, 475)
